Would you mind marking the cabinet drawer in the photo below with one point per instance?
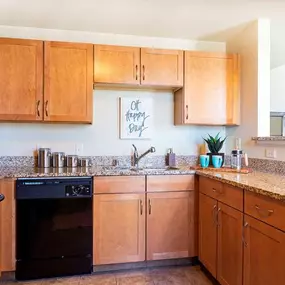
(227, 194)
(119, 184)
(210, 187)
(165, 183)
(265, 209)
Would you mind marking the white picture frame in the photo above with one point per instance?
(136, 118)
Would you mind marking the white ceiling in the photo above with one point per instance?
(191, 19)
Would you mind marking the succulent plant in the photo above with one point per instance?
(215, 144)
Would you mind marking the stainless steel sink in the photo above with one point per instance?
(147, 169)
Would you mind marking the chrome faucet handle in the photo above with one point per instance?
(152, 149)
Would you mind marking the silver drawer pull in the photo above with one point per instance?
(269, 212)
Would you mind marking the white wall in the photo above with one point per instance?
(253, 44)
(102, 138)
(277, 94)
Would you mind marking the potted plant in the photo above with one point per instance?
(215, 144)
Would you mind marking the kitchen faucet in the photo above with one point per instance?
(138, 157)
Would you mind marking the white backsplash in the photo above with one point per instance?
(102, 137)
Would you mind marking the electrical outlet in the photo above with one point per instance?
(270, 153)
(79, 148)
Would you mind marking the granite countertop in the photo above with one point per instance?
(267, 184)
(31, 172)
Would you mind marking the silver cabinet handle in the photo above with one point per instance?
(217, 217)
(46, 108)
(149, 207)
(243, 232)
(38, 108)
(141, 207)
(143, 70)
(137, 72)
(215, 214)
(187, 112)
(268, 213)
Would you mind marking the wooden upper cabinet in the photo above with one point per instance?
(211, 90)
(21, 84)
(116, 64)
(264, 254)
(170, 225)
(230, 246)
(208, 221)
(68, 88)
(119, 228)
(160, 67)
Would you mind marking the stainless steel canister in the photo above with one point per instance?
(58, 159)
(72, 160)
(84, 161)
(44, 155)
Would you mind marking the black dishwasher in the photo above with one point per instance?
(54, 234)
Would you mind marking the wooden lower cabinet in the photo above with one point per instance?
(119, 228)
(208, 233)
(8, 226)
(170, 225)
(264, 254)
(230, 246)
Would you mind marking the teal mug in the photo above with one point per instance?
(217, 161)
(204, 160)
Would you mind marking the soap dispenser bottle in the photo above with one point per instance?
(171, 159)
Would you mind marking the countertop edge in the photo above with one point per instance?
(252, 189)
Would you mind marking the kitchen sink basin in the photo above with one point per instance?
(147, 169)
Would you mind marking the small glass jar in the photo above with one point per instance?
(236, 159)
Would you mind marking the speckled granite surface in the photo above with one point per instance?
(122, 161)
(29, 172)
(267, 184)
(274, 138)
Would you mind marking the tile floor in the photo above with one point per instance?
(159, 276)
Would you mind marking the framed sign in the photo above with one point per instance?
(136, 118)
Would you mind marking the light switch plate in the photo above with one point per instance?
(79, 148)
(270, 153)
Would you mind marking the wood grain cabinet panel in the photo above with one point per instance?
(265, 209)
(8, 226)
(119, 184)
(264, 254)
(230, 246)
(164, 183)
(68, 88)
(170, 225)
(210, 79)
(210, 187)
(21, 84)
(119, 228)
(160, 67)
(116, 64)
(232, 196)
(208, 233)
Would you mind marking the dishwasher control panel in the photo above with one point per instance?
(54, 188)
(77, 190)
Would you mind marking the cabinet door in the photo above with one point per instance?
(160, 67)
(208, 233)
(8, 226)
(116, 65)
(170, 225)
(230, 247)
(119, 228)
(211, 89)
(68, 88)
(21, 84)
(264, 254)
